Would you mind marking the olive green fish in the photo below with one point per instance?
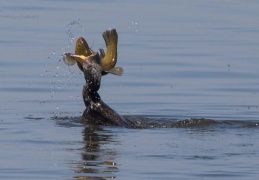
(109, 59)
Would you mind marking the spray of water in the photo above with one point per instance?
(60, 76)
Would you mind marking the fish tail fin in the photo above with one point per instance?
(110, 37)
(116, 71)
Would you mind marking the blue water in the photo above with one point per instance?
(181, 60)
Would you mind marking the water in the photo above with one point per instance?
(183, 61)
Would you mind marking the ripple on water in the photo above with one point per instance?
(147, 121)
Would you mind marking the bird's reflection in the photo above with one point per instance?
(98, 161)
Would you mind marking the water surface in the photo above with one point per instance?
(190, 79)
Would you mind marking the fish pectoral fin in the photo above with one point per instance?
(102, 53)
(116, 71)
(68, 59)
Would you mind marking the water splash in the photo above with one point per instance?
(60, 75)
(150, 122)
(71, 25)
(134, 26)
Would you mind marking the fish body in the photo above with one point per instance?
(109, 59)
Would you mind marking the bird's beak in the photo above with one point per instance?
(78, 56)
(79, 59)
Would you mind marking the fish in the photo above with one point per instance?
(109, 59)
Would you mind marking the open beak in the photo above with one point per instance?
(79, 60)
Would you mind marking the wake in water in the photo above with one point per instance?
(149, 122)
